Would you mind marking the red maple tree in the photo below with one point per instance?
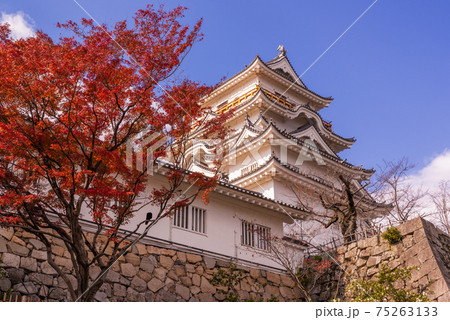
(67, 110)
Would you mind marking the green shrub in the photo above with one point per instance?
(230, 280)
(392, 235)
(390, 286)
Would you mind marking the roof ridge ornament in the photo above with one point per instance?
(281, 51)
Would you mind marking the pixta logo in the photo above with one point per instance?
(141, 144)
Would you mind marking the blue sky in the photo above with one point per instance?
(388, 74)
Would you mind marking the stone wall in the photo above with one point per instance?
(423, 245)
(150, 273)
(147, 273)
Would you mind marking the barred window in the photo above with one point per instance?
(255, 235)
(181, 217)
(196, 221)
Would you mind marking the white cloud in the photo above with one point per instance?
(21, 24)
(437, 170)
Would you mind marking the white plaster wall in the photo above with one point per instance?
(223, 226)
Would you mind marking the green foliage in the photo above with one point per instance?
(317, 258)
(229, 279)
(273, 299)
(390, 286)
(392, 235)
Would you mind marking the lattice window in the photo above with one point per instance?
(181, 217)
(255, 235)
(198, 219)
(195, 221)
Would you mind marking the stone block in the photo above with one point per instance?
(255, 273)
(206, 297)
(133, 259)
(166, 262)
(350, 254)
(128, 270)
(438, 287)
(101, 297)
(28, 264)
(377, 250)
(190, 268)
(40, 278)
(245, 286)
(112, 276)
(411, 252)
(124, 281)
(408, 242)
(360, 262)
(27, 235)
(144, 275)
(273, 277)
(119, 290)
(199, 270)
(58, 251)
(181, 256)
(445, 297)
(395, 263)
(172, 275)
(27, 288)
(57, 294)
(341, 250)
(434, 274)
(352, 245)
(286, 292)
(416, 274)
(3, 247)
(182, 291)
(155, 284)
(410, 226)
(365, 253)
(372, 271)
(186, 281)
(193, 258)
(419, 235)
(5, 284)
(209, 262)
(428, 266)
(272, 290)
(10, 260)
(372, 261)
(138, 284)
(40, 255)
(424, 282)
(63, 262)
(179, 270)
(62, 283)
(206, 286)
(43, 291)
(15, 275)
(18, 249)
(287, 280)
(223, 263)
(160, 273)
(134, 296)
(412, 262)
(148, 264)
(196, 280)
(6, 233)
(141, 249)
(194, 290)
(160, 251)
